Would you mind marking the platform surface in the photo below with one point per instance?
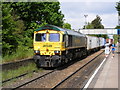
(107, 76)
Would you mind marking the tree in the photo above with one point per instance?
(96, 23)
(21, 18)
(117, 27)
(118, 7)
(42, 12)
(67, 26)
(11, 29)
(117, 37)
(37, 14)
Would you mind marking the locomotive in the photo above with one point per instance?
(54, 46)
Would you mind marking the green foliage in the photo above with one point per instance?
(22, 52)
(20, 19)
(118, 7)
(96, 23)
(32, 12)
(13, 73)
(116, 37)
(11, 30)
(67, 26)
(117, 27)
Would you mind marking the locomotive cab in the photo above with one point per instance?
(47, 43)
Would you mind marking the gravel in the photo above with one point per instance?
(56, 77)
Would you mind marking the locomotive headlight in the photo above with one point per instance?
(57, 52)
(38, 48)
(37, 51)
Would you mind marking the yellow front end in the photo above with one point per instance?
(48, 42)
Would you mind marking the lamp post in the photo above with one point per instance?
(85, 20)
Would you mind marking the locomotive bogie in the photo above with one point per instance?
(47, 61)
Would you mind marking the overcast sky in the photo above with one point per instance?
(74, 11)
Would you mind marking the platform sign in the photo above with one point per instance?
(118, 31)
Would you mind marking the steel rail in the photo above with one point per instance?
(52, 72)
(74, 72)
(7, 80)
(33, 80)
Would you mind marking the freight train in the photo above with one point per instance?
(54, 46)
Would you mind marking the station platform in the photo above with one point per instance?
(108, 74)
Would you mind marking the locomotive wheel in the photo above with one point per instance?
(71, 56)
(66, 60)
(85, 53)
(36, 59)
(55, 61)
(38, 64)
(63, 59)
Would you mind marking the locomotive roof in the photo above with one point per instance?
(67, 31)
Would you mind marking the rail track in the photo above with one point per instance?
(19, 76)
(33, 80)
(64, 80)
(14, 87)
(50, 72)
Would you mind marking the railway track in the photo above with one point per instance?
(71, 75)
(50, 72)
(19, 76)
(14, 87)
(33, 80)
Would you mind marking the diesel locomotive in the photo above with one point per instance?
(54, 46)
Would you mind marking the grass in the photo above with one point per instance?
(0, 59)
(13, 73)
(21, 53)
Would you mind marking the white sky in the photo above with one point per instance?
(74, 11)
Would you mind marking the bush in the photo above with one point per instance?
(21, 53)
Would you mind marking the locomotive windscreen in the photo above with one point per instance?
(54, 37)
(40, 37)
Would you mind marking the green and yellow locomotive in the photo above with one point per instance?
(54, 46)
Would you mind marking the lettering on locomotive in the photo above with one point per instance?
(47, 45)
